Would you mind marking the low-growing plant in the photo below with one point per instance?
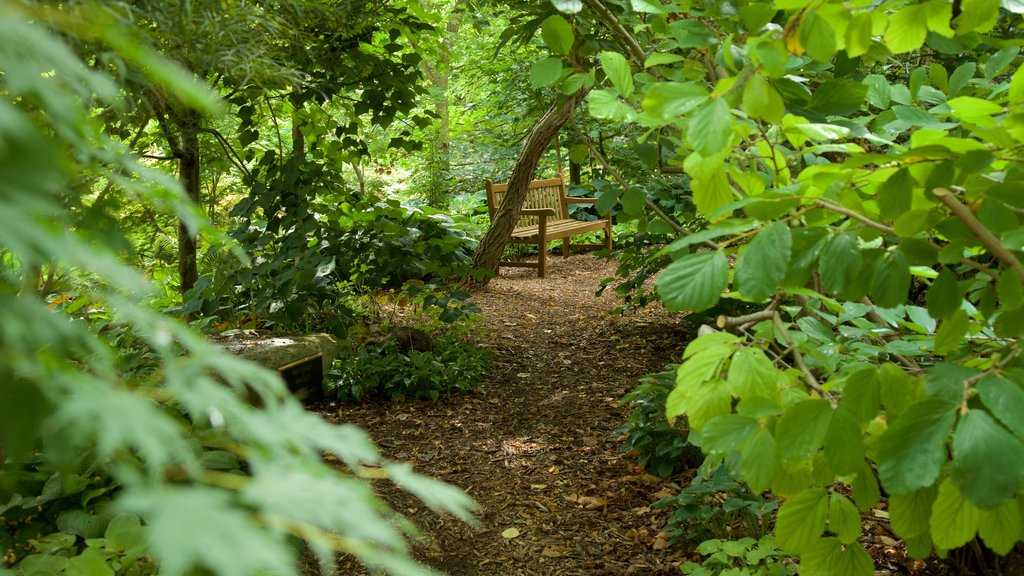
(658, 446)
(715, 505)
(393, 368)
(743, 557)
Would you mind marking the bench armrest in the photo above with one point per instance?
(537, 212)
(577, 200)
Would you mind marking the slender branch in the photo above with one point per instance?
(618, 30)
(157, 157)
(858, 217)
(232, 155)
(647, 201)
(797, 357)
(277, 127)
(988, 240)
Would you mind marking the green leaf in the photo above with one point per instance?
(999, 61)
(943, 295)
(976, 16)
(727, 434)
(545, 72)
(1005, 399)
(712, 191)
(91, 562)
(951, 332)
(801, 521)
(801, 430)
(865, 488)
(817, 37)
(183, 521)
(843, 518)
(606, 104)
(568, 6)
(616, 68)
(671, 100)
(960, 77)
(1000, 528)
(974, 110)
(907, 29)
(894, 194)
(660, 58)
(752, 374)
(954, 521)
(844, 446)
(756, 15)
(913, 450)
(762, 266)
(557, 34)
(838, 98)
(761, 100)
(710, 128)
(910, 513)
(701, 403)
(694, 282)
(854, 560)
(861, 396)
(840, 264)
(859, 34)
(988, 461)
(1010, 290)
(891, 282)
(689, 33)
(759, 461)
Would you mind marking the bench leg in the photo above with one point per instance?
(608, 235)
(542, 260)
(566, 246)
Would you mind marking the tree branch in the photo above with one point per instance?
(232, 155)
(988, 240)
(797, 357)
(618, 30)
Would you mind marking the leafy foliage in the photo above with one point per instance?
(157, 456)
(658, 446)
(741, 557)
(842, 156)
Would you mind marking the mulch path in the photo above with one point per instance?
(557, 496)
(532, 447)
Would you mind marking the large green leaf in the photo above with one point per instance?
(861, 395)
(752, 374)
(909, 513)
(671, 100)
(844, 446)
(763, 265)
(758, 460)
(943, 295)
(712, 191)
(907, 29)
(801, 430)
(557, 34)
(616, 68)
(761, 100)
(913, 450)
(988, 461)
(694, 282)
(891, 282)
(976, 16)
(727, 434)
(606, 104)
(545, 72)
(1005, 399)
(954, 520)
(951, 332)
(710, 128)
(568, 6)
(843, 518)
(1000, 528)
(817, 36)
(801, 521)
(840, 264)
(182, 523)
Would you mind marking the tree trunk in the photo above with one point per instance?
(574, 173)
(188, 173)
(488, 254)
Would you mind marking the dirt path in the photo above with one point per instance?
(533, 447)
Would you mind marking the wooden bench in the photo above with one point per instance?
(545, 217)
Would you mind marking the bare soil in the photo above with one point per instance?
(557, 496)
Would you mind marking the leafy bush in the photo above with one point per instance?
(393, 369)
(658, 446)
(718, 506)
(158, 455)
(743, 557)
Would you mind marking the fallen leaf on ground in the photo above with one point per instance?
(554, 551)
(510, 533)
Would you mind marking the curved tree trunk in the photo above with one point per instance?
(488, 254)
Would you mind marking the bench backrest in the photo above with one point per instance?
(541, 194)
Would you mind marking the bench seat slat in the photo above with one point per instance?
(557, 229)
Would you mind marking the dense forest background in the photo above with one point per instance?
(838, 183)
